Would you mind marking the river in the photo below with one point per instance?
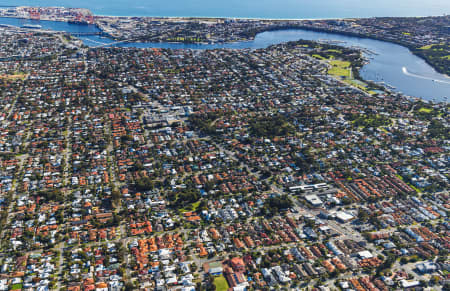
(390, 63)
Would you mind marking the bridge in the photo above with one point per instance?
(101, 44)
(113, 43)
(88, 33)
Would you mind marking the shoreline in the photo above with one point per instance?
(264, 18)
(251, 37)
(222, 17)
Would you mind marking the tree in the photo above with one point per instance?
(363, 215)
(52, 195)
(144, 184)
(129, 286)
(184, 197)
(115, 195)
(387, 264)
(271, 126)
(273, 205)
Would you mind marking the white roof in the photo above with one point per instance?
(365, 255)
(313, 199)
(409, 284)
(344, 216)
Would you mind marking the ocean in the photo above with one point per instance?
(280, 9)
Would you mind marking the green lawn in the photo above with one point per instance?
(319, 57)
(339, 68)
(425, 110)
(190, 207)
(334, 51)
(342, 69)
(427, 47)
(195, 205)
(415, 188)
(410, 185)
(221, 283)
(15, 76)
(357, 84)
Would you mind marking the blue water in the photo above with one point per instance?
(252, 8)
(53, 25)
(386, 65)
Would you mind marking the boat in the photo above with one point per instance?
(33, 26)
(391, 87)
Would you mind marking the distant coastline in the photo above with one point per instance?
(220, 17)
(249, 35)
(249, 9)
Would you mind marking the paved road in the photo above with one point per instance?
(21, 158)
